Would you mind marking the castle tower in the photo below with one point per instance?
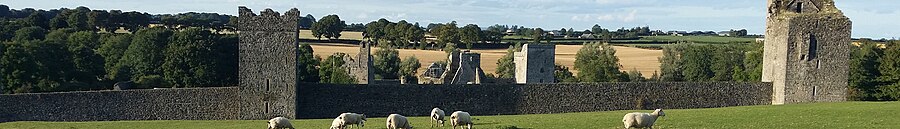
(536, 64)
(268, 63)
(806, 51)
(361, 67)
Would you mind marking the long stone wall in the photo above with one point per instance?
(149, 104)
(329, 100)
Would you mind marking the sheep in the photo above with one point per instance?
(337, 123)
(280, 123)
(460, 118)
(353, 119)
(397, 121)
(642, 120)
(437, 116)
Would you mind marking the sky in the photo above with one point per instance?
(871, 18)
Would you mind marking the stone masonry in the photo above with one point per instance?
(360, 67)
(268, 63)
(464, 68)
(535, 64)
(806, 51)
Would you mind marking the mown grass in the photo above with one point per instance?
(796, 116)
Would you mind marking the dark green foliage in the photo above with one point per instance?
(864, 72)
(696, 67)
(446, 34)
(37, 19)
(59, 21)
(751, 70)
(187, 59)
(89, 65)
(36, 66)
(150, 81)
(329, 27)
(112, 49)
(597, 62)
(889, 68)
(307, 62)
(635, 76)
(30, 33)
(8, 30)
(408, 70)
(331, 70)
(470, 34)
(307, 21)
(387, 63)
(145, 53)
(725, 59)
(563, 75)
(506, 68)
(538, 35)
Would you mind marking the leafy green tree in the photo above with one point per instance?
(375, 29)
(82, 45)
(470, 34)
(37, 19)
(725, 59)
(187, 59)
(4, 11)
(751, 70)
(447, 34)
(59, 21)
(864, 72)
(387, 63)
(307, 63)
(8, 30)
(635, 76)
(408, 70)
(329, 26)
(35, 66)
(597, 62)
(331, 70)
(78, 20)
(696, 63)
(30, 33)
(563, 75)
(112, 49)
(99, 19)
(538, 35)
(145, 53)
(307, 21)
(506, 67)
(671, 62)
(60, 36)
(890, 72)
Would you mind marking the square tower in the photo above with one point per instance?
(536, 64)
(268, 63)
(806, 51)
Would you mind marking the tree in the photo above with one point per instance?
(635, 76)
(447, 34)
(409, 69)
(570, 33)
(470, 34)
(59, 21)
(30, 33)
(329, 26)
(725, 59)
(187, 62)
(538, 35)
(99, 19)
(696, 63)
(387, 63)
(89, 65)
(78, 20)
(671, 63)
(864, 72)
(145, 54)
(307, 63)
(597, 62)
(307, 21)
(112, 49)
(563, 75)
(506, 68)
(331, 70)
(890, 73)
(37, 19)
(596, 28)
(751, 69)
(4, 11)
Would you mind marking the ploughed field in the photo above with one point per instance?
(795, 116)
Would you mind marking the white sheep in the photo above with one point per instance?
(337, 123)
(437, 116)
(460, 118)
(280, 123)
(642, 120)
(397, 121)
(353, 119)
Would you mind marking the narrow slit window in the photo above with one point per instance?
(813, 47)
(799, 8)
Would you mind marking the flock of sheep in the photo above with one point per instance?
(457, 119)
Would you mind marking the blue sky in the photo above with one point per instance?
(871, 18)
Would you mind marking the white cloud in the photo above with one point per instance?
(630, 17)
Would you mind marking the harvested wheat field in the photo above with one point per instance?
(346, 35)
(643, 60)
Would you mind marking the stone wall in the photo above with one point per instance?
(329, 100)
(268, 62)
(149, 104)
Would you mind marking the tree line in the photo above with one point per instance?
(875, 71)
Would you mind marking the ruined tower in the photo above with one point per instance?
(463, 68)
(268, 63)
(806, 51)
(361, 67)
(536, 64)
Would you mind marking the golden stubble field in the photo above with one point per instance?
(643, 60)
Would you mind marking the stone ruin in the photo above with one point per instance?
(268, 63)
(432, 74)
(463, 68)
(536, 64)
(806, 51)
(361, 66)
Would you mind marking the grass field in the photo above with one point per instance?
(700, 39)
(796, 116)
(644, 60)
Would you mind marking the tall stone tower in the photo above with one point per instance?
(536, 64)
(806, 51)
(361, 66)
(268, 63)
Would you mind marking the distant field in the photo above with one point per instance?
(348, 35)
(880, 115)
(644, 60)
(699, 39)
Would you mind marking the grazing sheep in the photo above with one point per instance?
(460, 118)
(353, 119)
(437, 116)
(337, 123)
(280, 123)
(397, 121)
(641, 120)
